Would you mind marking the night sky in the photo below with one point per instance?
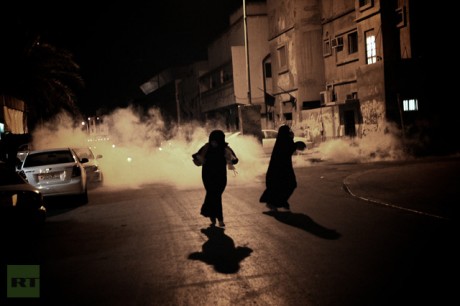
(121, 45)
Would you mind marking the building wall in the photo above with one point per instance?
(297, 64)
(188, 92)
(337, 91)
(225, 85)
(13, 115)
(325, 80)
(281, 37)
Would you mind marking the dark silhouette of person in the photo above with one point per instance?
(215, 156)
(280, 180)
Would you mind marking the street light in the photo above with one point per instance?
(83, 123)
(246, 48)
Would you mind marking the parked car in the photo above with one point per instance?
(93, 171)
(21, 204)
(56, 172)
(22, 151)
(269, 139)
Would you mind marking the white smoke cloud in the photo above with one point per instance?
(139, 149)
(375, 146)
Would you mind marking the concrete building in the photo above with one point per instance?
(327, 68)
(222, 89)
(13, 127)
(235, 61)
(341, 68)
(13, 116)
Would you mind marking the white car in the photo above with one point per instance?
(269, 139)
(92, 167)
(23, 150)
(56, 172)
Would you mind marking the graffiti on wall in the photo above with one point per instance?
(315, 124)
(373, 117)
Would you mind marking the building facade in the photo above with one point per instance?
(327, 68)
(342, 68)
(235, 61)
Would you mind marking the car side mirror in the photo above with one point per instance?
(99, 156)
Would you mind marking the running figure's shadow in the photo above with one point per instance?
(305, 223)
(220, 251)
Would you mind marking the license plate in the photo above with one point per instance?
(48, 176)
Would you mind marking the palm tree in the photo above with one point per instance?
(46, 78)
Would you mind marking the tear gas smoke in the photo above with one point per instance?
(138, 150)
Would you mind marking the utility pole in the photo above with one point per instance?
(246, 49)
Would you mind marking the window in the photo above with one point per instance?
(337, 43)
(371, 49)
(227, 73)
(352, 42)
(410, 105)
(270, 116)
(365, 4)
(311, 104)
(288, 116)
(282, 58)
(327, 50)
(401, 17)
(268, 70)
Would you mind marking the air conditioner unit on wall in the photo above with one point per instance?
(337, 42)
(325, 97)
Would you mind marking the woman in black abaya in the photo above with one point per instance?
(215, 156)
(280, 180)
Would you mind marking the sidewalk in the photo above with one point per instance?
(428, 186)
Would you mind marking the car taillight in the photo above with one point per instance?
(76, 171)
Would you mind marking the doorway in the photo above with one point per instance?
(350, 128)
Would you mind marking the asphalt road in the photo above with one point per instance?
(354, 237)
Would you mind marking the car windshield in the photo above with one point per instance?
(48, 158)
(84, 153)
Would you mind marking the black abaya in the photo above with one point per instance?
(280, 179)
(215, 157)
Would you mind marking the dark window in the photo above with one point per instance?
(327, 50)
(268, 70)
(311, 104)
(282, 59)
(367, 3)
(353, 42)
(401, 17)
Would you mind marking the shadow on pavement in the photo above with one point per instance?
(57, 205)
(303, 222)
(220, 251)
